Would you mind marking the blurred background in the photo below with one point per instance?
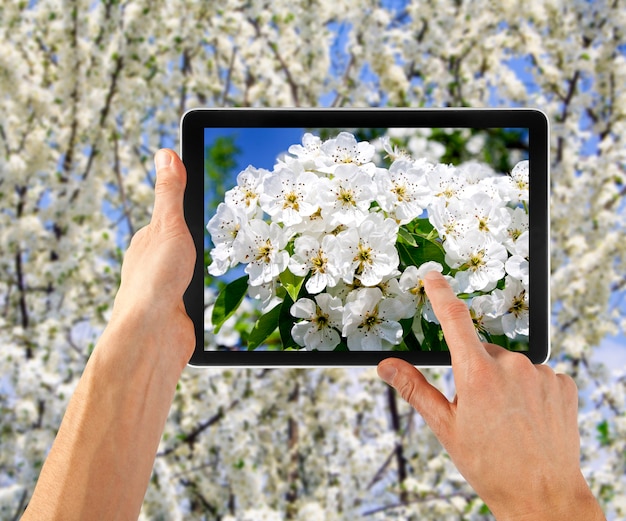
(89, 90)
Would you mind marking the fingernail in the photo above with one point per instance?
(162, 159)
(387, 372)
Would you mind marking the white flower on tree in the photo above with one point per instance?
(371, 323)
(326, 262)
(519, 268)
(265, 293)
(346, 198)
(393, 152)
(344, 149)
(487, 216)
(371, 248)
(309, 152)
(412, 283)
(320, 329)
(449, 219)
(225, 228)
(485, 313)
(515, 188)
(261, 249)
(402, 190)
(289, 196)
(481, 260)
(512, 305)
(245, 195)
(445, 182)
(517, 231)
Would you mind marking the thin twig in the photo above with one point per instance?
(191, 437)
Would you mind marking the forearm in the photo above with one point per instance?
(102, 458)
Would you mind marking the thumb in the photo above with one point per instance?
(427, 400)
(170, 186)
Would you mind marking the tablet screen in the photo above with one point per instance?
(316, 238)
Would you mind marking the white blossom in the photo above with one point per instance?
(225, 227)
(323, 319)
(371, 247)
(402, 190)
(289, 196)
(481, 260)
(261, 249)
(326, 262)
(344, 149)
(512, 302)
(370, 323)
(347, 197)
(245, 195)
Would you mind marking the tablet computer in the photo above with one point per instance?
(314, 228)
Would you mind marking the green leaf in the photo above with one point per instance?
(412, 343)
(285, 323)
(500, 340)
(603, 435)
(292, 283)
(228, 301)
(264, 327)
(433, 337)
(423, 227)
(342, 346)
(409, 340)
(406, 237)
(425, 251)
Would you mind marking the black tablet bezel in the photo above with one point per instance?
(192, 128)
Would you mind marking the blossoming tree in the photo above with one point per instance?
(91, 89)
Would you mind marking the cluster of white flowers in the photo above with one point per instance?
(335, 220)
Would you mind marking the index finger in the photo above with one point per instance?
(456, 322)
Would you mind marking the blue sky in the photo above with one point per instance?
(259, 146)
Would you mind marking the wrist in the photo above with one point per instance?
(149, 337)
(577, 505)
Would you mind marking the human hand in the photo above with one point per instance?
(512, 427)
(158, 267)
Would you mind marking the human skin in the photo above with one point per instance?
(520, 418)
(101, 460)
(511, 430)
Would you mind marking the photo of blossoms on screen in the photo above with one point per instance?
(327, 251)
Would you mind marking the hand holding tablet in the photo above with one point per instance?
(327, 227)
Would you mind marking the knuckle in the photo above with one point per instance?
(406, 387)
(167, 182)
(454, 310)
(570, 389)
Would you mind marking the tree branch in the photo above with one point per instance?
(229, 75)
(423, 499)
(185, 68)
(19, 269)
(294, 456)
(20, 507)
(120, 184)
(191, 437)
(399, 451)
(272, 45)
